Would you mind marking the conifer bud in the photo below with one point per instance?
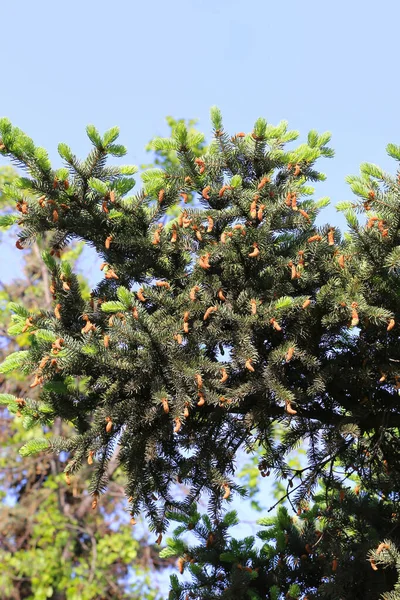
(193, 292)
(314, 238)
(186, 316)
(19, 245)
(159, 539)
(223, 190)
(203, 261)
(248, 365)
(221, 295)
(354, 314)
(174, 235)
(201, 399)
(209, 311)
(90, 457)
(111, 274)
(334, 564)
(289, 354)
(260, 212)
(223, 237)
(181, 216)
(163, 284)
(156, 235)
(227, 491)
(392, 323)
(109, 424)
(186, 411)
(178, 425)
(106, 341)
(253, 304)
(382, 546)
(133, 521)
(165, 405)
(294, 202)
(289, 409)
(331, 239)
(306, 216)
(44, 362)
(253, 209)
(255, 252)
(57, 311)
(94, 503)
(140, 296)
(184, 196)
(210, 224)
(55, 216)
(161, 195)
(262, 183)
(181, 565)
(206, 192)
(224, 376)
(357, 490)
(297, 170)
(341, 261)
(373, 565)
(288, 199)
(342, 495)
(108, 241)
(135, 313)
(66, 287)
(178, 338)
(275, 325)
(306, 303)
(199, 380)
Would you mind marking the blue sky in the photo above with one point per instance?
(323, 65)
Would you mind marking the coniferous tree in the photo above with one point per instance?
(209, 328)
(52, 545)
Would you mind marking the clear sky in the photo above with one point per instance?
(319, 64)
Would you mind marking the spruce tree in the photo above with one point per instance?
(210, 327)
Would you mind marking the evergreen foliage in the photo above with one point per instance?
(212, 326)
(52, 545)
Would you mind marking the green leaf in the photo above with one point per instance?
(216, 117)
(236, 181)
(65, 152)
(372, 170)
(98, 185)
(18, 309)
(124, 296)
(284, 302)
(14, 361)
(94, 136)
(6, 399)
(112, 306)
(128, 169)
(34, 447)
(167, 552)
(110, 136)
(312, 138)
(49, 260)
(116, 150)
(343, 206)
(45, 335)
(8, 220)
(393, 151)
(89, 349)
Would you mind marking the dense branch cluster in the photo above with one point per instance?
(211, 326)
